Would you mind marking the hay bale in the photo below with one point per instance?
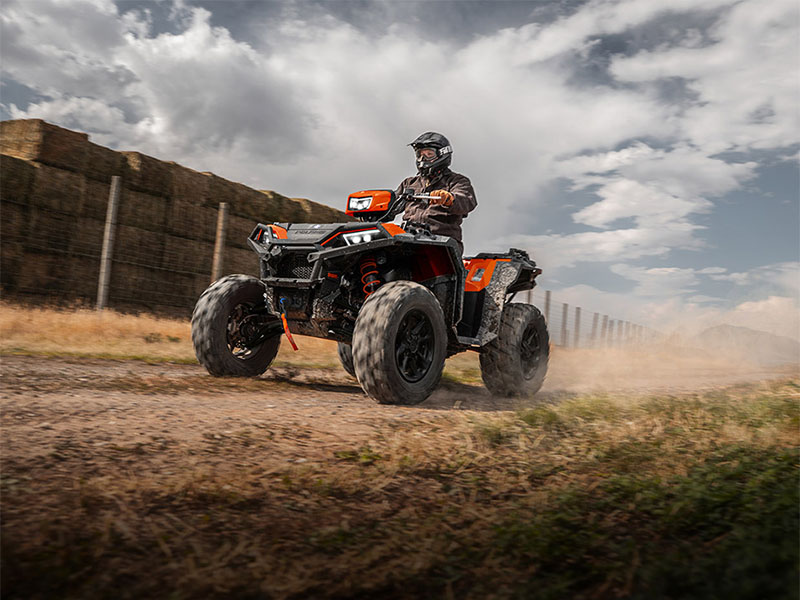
(102, 163)
(279, 209)
(16, 178)
(188, 185)
(240, 261)
(57, 189)
(320, 213)
(244, 201)
(13, 224)
(37, 140)
(142, 210)
(41, 274)
(190, 221)
(94, 203)
(21, 138)
(87, 238)
(13, 235)
(83, 275)
(238, 231)
(146, 174)
(187, 256)
(179, 294)
(49, 231)
(138, 246)
(132, 286)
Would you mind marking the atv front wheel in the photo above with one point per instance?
(399, 343)
(345, 352)
(232, 332)
(515, 363)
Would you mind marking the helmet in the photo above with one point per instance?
(431, 165)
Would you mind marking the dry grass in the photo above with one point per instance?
(85, 332)
(599, 496)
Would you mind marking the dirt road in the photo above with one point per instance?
(50, 405)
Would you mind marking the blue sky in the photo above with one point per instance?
(645, 153)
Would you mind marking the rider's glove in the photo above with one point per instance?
(442, 197)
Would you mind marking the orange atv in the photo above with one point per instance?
(397, 299)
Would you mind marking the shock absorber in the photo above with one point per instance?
(369, 275)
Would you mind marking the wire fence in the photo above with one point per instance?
(571, 326)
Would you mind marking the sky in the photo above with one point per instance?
(646, 154)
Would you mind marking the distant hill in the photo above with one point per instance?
(748, 344)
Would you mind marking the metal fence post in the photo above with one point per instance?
(108, 242)
(547, 306)
(577, 338)
(564, 317)
(219, 244)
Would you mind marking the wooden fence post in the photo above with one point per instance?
(564, 318)
(577, 338)
(595, 319)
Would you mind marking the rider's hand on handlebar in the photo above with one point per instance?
(442, 197)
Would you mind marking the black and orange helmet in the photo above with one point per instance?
(428, 166)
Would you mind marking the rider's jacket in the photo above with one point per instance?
(441, 220)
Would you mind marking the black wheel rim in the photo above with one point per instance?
(243, 331)
(414, 346)
(530, 351)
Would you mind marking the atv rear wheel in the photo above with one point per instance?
(345, 352)
(515, 363)
(232, 332)
(399, 343)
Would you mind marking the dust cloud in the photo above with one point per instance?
(665, 368)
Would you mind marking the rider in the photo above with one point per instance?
(453, 195)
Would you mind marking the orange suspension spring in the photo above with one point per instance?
(369, 276)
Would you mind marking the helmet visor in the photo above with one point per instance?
(426, 153)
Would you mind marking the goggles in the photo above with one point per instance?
(426, 153)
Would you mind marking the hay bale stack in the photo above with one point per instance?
(102, 163)
(239, 229)
(142, 210)
(94, 203)
(54, 189)
(146, 174)
(39, 141)
(319, 213)
(190, 257)
(15, 184)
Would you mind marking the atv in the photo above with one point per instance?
(398, 300)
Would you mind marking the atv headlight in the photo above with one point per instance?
(359, 237)
(361, 203)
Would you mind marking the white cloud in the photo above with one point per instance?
(658, 281)
(746, 98)
(558, 251)
(316, 108)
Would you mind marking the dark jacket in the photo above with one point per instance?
(441, 220)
